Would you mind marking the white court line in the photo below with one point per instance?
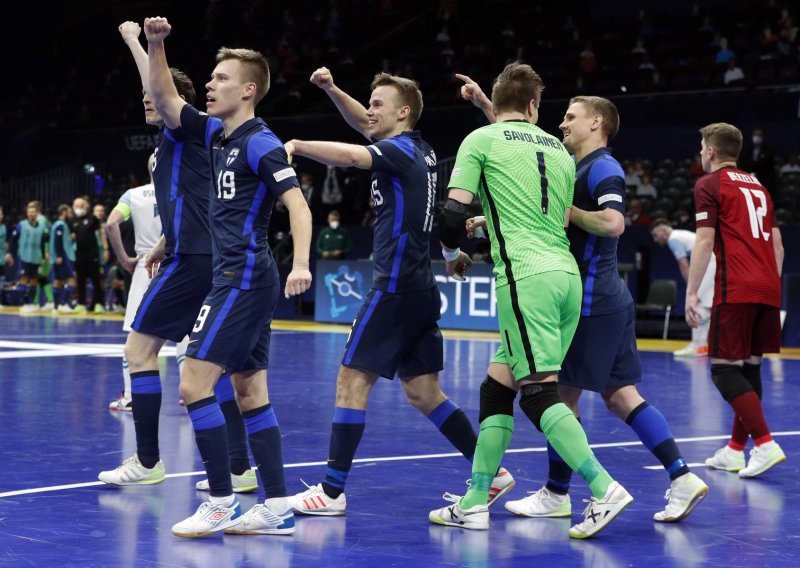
(390, 459)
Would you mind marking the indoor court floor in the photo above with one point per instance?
(57, 376)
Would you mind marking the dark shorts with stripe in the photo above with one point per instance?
(740, 331)
(233, 327)
(174, 297)
(30, 270)
(397, 334)
(63, 271)
(603, 353)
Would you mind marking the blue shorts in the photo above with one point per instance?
(232, 328)
(30, 270)
(603, 353)
(397, 334)
(174, 297)
(63, 271)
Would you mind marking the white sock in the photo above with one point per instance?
(224, 501)
(126, 377)
(278, 505)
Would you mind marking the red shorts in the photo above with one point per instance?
(740, 331)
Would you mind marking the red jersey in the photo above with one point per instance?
(740, 210)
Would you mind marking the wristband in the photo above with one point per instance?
(451, 256)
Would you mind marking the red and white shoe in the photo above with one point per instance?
(314, 501)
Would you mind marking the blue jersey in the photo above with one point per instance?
(599, 184)
(61, 243)
(403, 188)
(182, 179)
(250, 170)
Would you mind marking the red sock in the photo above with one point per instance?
(739, 435)
(748, 407)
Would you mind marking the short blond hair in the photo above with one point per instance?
(255, 68)
(725, 138)
(408, 92)
(605, 108)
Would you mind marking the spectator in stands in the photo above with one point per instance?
(760, 161)
(334, 241)
(790, 167)
(769, 43)
(724, 54)
(632, 179)
(681, 219)
(733, 74)
(646, 189)
(636, 215)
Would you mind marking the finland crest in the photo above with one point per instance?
(232, 155)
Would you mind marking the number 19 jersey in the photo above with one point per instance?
(739, 209)
(525, 180)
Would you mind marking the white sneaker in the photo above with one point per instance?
(600, 512)
(542, 503)
(683, 495)
(132, 472)
(726, 459)
(65, 309)
(262, 520)
(122, 404)
(762, 458)
(692, 350)
(474, 518)
(314, 501)
(209, 518)
(28, 308)
(47, 307)
(245, 483)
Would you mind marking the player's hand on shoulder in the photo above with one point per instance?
(156, 29)
(298, 281)
(322, 78)
(458, 268)
(129, 31)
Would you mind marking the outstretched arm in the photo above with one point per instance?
(351, 110)
(130, 32)
(165, 96)
(471, 91)
(331, 153)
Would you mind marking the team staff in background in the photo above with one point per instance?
(86, 233)
(525, 180)
(249, 171)
(175, 295)
(395, 332)
(29, 242)
(736, 222)
(681, 243)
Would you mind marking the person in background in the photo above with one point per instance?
(334, 241)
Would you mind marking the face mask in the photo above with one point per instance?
(757, 139)
(334, 225)
(80, 212)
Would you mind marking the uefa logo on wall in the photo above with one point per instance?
(342, 292)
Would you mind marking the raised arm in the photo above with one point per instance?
(331, 153)
(471, 91)
(353, 112)
(162, 90)
(299, 279)
(130, 32)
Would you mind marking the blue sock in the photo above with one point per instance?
(58, 294)
(653, 430)
(346, 431)
(265, 441)
(234, 422)
(559, 474)
(211, 437)
(456, 427)
(146, 397)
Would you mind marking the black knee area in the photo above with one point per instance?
(753, 375)
(536, 399)
(496, 398)
(730, 381)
